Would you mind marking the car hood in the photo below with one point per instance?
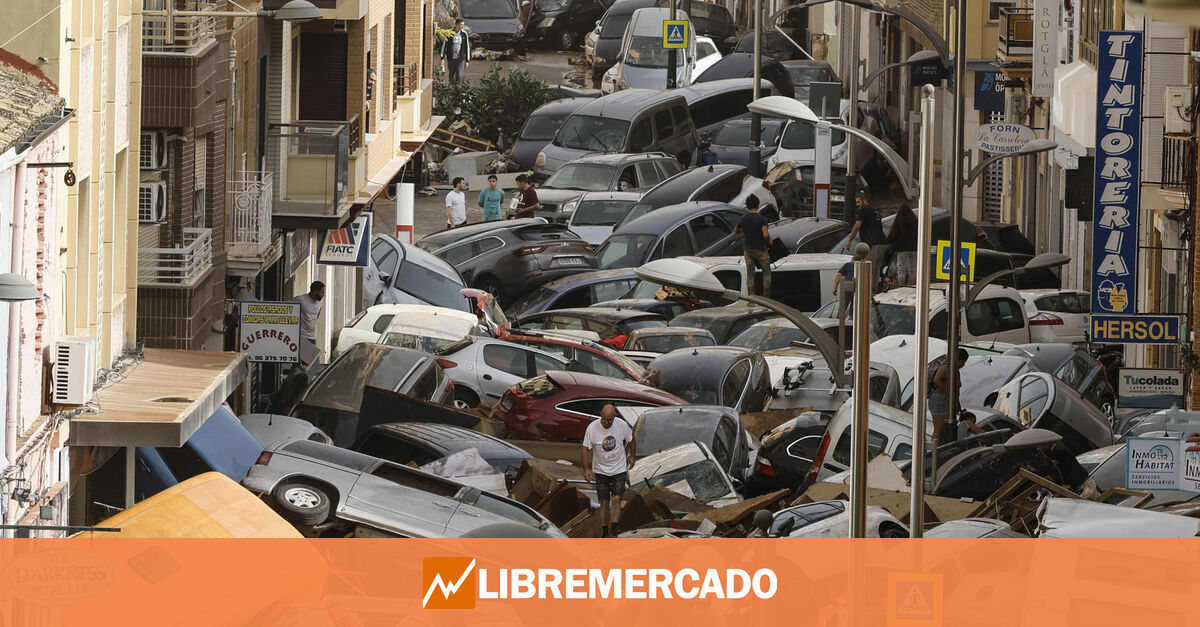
(650, 77)
(503, 26)
(525, 152)
(557, 156)
(558, 196)
(608, 49)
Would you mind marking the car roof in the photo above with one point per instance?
(682, 423)
(607, 314)
(659, 220)
(676, 359)
(1047, 355)
(441, 321)
(799, 227)
(632, 196)
(625, 104)
(449, 437)
(806, 63)
(907, 296)
(423, 258)
(627, 6)
(608, 384)
(587, 278)
(685, 183)
(699, 91)
(619, 157)
(660, 331)
(717, 313)
(562, 105)
(648, 20)
(445, 237)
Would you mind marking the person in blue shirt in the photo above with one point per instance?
(491, 198)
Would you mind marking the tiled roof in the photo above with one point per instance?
(23, 106)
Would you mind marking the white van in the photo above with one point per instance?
(801, 281)
(643, 62)
(889, 430)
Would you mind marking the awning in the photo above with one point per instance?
(1074, 107)
(162, 401)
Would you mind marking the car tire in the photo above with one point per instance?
(491, 286)
(892, 531)
(301, 502)
(565, 40)
(464, 399)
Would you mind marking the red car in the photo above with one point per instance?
(591, 356)
(558, 406)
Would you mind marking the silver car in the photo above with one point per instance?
(483, 368)
(331, 488)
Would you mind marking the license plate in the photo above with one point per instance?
(568, 261)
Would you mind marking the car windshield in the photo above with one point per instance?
(551, 5)
(529, 301)
(600, 212)
(589, 132)
(646, 51)
(590, 177)
(805, 74)
(614, 26)
(769, 337)
(668, 343)
(542, 127)
(703, 478)
(488, 9)
(340, 385)
(798, 136)
(431, 287)
(738, 135)
(623, 251)
(895, 319)
(419, 342)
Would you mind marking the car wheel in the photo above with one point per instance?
(464, 399)
(302, 503)
(565, 40)
(491, 286)
(1109, 409)
(892, 531)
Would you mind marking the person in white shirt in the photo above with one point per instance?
(310, 309)
(608, 452)
(456, 204)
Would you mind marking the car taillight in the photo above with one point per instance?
(528, 250)
(264, 458)
(1045, 319)
(529, 414)
(818, 459)
(446, 364)
(764, 467)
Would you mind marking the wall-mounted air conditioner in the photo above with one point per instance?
(152, 202)
(1177, 99)
(74, 370)
(153, 151)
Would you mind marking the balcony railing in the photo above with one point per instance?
(312, 158)
(407, 79)
(1016, 36)
(1179, 163)
(192, 34)
(181, 266)
(251, 199)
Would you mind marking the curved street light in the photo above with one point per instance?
(693, 277)
(939, 42)
(790, 108)
(919, 57)
(1034, 146)
(1040, 262)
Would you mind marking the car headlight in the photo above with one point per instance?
(548, 22)
(601, 61)
(570, 207)
(540, 161)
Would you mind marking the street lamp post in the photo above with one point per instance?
(919, 57)
(916, 509)
(1040, 262)
(756, 118)
(864, 288)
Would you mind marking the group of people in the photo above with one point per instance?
(524, 201)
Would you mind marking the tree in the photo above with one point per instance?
(496, 106)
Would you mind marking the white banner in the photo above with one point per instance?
(1045, 46)
(269, 332)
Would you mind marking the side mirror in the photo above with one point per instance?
(386, 278)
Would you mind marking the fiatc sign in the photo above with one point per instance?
(348, 246)
(1118, 172)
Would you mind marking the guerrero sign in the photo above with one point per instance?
(1152, 388)
(348, 246)
(270, 332)
(1002, 138)
(1118, 172)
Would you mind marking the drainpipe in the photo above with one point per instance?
(14, 318)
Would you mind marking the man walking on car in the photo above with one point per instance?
(608, 453)
(756, 241)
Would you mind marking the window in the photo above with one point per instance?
(642, 136)
(382, 323)
(723, 443)
(554, 349)
(386, 259)
(678, 243)
(903, 452)
(1073, 372)
(648, 174)
(805, 448)
(994, 7)
(798, 288)
(542, 363)
(506, 359)
(735, 382)
(1034, 394)
(629, 178)
(599, 365)
(1064, 303)
(577, 297)
(456, 255)
(200, 182)
(670, 167)
(183, 461)
(822, 243)
(709, 230)
(988, 317)
(723, 190)
(426, 384)
(683, 121)
(1094, 16)
(876, 442)
(720, 107)
(663, 128)
(395, 450)
(488, 245)
(563, 322)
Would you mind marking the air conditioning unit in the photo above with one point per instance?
(1176, 101)
(152, 202)
(153, 151)
(74, 370)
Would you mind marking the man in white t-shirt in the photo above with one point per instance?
(456, 203)
(310, 309)
(608, 451)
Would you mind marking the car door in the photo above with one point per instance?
(384, 262)
(649, 175)
(999, 319)
(503, 364)
(711, 234)
(380, 498)
(733, 386)
(459, 256)
(676, 243)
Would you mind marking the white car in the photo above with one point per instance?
(423, 327)
(1057, 315)
(831, 519)
(797, 143)
(689, 469)
(706, 56)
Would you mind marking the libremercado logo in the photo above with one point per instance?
(454, 583)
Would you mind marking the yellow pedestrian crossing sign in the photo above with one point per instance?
(675, 33)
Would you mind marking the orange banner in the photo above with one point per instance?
(616, 583)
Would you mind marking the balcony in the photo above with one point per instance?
(1016, 37)
(407, 79)
(310, 163)
(182, 266)
(1179, 165)
(192, 35)
(251, 198)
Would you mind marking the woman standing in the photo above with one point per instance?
(903, 238)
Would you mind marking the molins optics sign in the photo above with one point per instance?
(1118, 173)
